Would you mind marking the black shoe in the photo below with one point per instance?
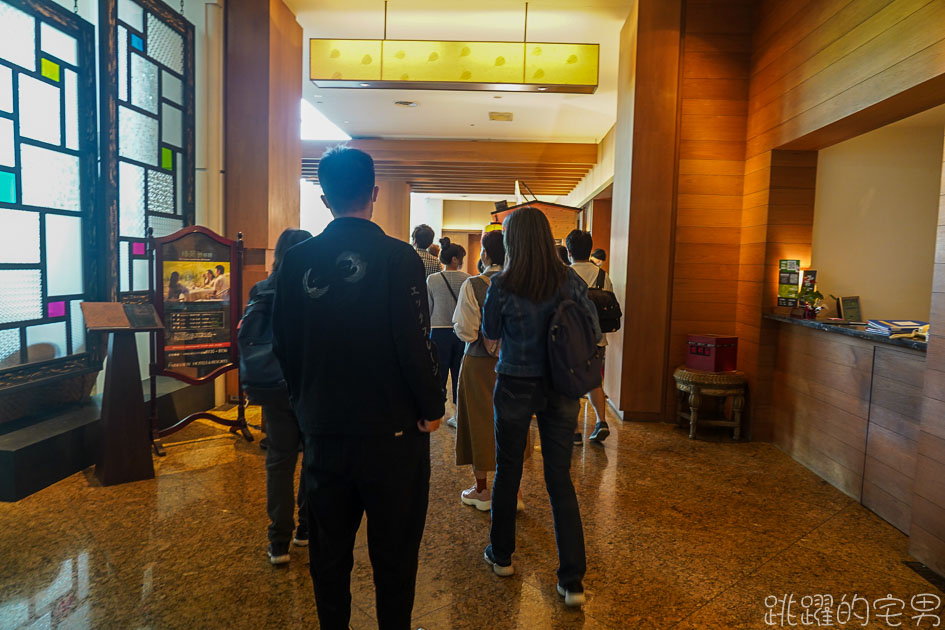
(573, 595)
(278, 553)
(502, 570)
(578, 439)
(301, 537)
(264, 443)
(601, 431)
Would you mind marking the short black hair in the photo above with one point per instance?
(495, 247)
(221, 269)
(423, 236)
(346, 176)
(449, 251)
(562, 254)
(579, 244)
(599, 254)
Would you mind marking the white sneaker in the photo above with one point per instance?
(482, 501)
(451, 421)
(572, 598)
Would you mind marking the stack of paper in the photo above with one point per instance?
(894, 326)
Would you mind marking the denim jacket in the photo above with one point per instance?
(523, 325)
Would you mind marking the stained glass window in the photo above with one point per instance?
(153, 156)
(47, 170)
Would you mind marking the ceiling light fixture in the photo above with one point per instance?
(449, 65)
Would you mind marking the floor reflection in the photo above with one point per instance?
(680, 533)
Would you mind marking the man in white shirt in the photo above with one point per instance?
(221, 283)
(580, 244)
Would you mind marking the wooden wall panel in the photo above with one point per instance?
(715, 64)
(927, 533)
(600, 227)
(644, 211)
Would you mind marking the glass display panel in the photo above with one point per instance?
(122, 63)
(124, 280)
(22, 295)
(6, 89)
(9, 347)
(19, 238)
(130, 200)
(63, 255)
(160, 192)
(171, 87)
(137, 136)
(131, 14)
(7, 154)
(17, 37)
(139, 274)
(164, 45)
(38, 109)
(77, 322)
(50, 178)
(171, 131)
(72, 110)
(46, 341)
(144, 84)
(164, 225)
(58, 44)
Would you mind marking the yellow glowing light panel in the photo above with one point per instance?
(466, 65)
(474, 62)
(345, 59)
(561, 64)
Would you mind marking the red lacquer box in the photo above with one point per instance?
(712, 353)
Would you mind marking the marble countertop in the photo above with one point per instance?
(851, 331)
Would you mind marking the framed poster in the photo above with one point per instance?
(197, 295)
(850, 308)
(196, 289)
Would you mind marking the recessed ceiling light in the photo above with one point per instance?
(405, 103)
(541, 89)
(365, 84)
(347, 121)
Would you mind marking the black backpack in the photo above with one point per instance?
(573, 356)
(608, 308)
(260, 372)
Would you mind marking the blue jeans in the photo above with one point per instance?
(516, 399)
(450, 349)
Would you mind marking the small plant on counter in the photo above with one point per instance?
(812, 302)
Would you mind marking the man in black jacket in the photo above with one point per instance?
(351, 330)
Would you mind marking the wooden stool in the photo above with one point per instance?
(718, 384)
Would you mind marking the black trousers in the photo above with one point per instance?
(282, 429)
(516, 399)
(389, 478)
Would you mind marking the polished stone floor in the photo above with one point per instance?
(680, 534)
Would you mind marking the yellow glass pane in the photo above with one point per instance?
(50, 69)
(561, 64)
(345, 59)
(467, 62)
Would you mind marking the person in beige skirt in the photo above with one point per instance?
(475, 428)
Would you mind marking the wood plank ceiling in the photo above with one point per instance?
(469, 167)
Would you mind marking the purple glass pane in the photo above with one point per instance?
(137, 249)
(56, 309)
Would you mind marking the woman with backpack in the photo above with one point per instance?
(264, 385)
(443, 291)
(475, 427)
(539, 310)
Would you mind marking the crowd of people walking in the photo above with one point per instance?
(516, 345)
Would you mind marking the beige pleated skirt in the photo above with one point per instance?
(475, 420)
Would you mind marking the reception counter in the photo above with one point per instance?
(846, 403)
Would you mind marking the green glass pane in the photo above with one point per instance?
(167, 158)
(7, 187)
(50, 69)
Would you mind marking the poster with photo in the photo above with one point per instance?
(194, 270)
